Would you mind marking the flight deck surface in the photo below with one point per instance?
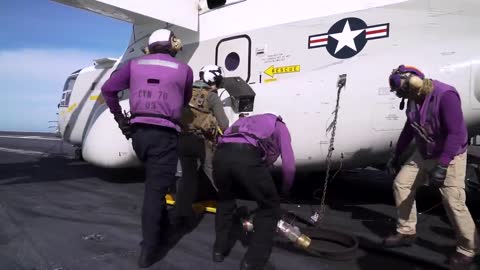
(58, 213)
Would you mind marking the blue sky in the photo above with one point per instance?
(41, 43)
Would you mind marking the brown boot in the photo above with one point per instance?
(398, 240)
(460, 261)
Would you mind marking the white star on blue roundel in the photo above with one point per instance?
(348, 36)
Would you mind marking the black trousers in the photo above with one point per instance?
(156, 147)
(191, 149)
(241, 164)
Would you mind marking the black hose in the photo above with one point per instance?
(319, 236)
(349, 244)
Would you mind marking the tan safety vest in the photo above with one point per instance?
(197, 117)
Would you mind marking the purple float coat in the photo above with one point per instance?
(437, 125)
(268, 133)
(159, 84)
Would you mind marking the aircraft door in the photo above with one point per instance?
(233, 55)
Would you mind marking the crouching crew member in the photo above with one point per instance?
(243, 157)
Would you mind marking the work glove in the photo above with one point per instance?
(438, 175)
(123, 124)
(393, 166)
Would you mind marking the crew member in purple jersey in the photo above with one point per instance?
(435, 121)
(160, 86)
(244, 154)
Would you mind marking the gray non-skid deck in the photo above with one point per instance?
(59, 213)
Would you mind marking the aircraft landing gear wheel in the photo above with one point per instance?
(78, 154)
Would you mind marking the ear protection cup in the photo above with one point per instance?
(176, 44)
(402, 79)
(404, 73)
(165, 41)
(415, 82)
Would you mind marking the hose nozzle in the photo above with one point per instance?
(247, 225)
(286, 229)
(293, 234)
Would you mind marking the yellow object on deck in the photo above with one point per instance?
(208, 206)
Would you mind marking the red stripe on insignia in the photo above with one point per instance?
(377, 31)
(319, 40)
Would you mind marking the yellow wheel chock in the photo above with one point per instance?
(208, 206)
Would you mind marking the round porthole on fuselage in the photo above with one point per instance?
(232, 61)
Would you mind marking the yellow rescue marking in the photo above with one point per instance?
(270, 71)
(99, 98)
(270, 80)
(72, 107)
(209, 206)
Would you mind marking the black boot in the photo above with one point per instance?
(149, 256)
(398, 240)
(459, 261)
(246, 266)
(218, 256)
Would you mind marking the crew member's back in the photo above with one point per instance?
(160, 86)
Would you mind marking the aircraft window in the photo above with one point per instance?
(210, 5)
(67, 98)
(67, 91)
(69, 83)
(232, 61)
(215, 3)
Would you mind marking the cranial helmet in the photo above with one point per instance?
(211, 75)
(403, 73)
(164, 40)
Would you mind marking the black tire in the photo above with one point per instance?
(78, 154)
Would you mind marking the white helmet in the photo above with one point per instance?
(211, 75)
(165, 38)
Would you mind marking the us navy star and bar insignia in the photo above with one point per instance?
(348, 36)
